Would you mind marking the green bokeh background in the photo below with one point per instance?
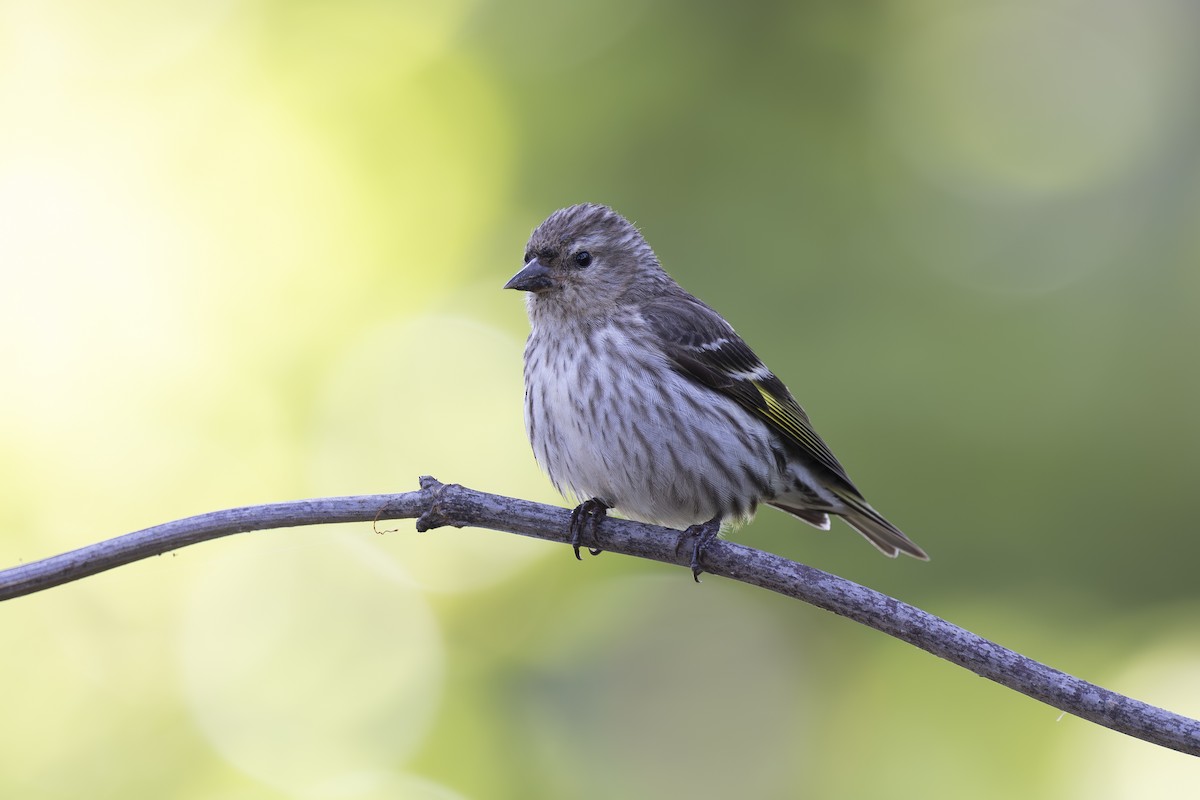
(252, 251)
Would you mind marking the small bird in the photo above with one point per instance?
(642, 399)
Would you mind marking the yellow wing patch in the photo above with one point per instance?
(789, 419)
(782, 416)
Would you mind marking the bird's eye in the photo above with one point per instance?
(583, 258)
(528, 256)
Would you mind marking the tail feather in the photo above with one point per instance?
(850, 506)
(881, 533)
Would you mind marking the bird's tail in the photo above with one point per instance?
(878, 531)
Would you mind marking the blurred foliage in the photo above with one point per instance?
(252, 251)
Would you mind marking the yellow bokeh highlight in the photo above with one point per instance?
(195, 219)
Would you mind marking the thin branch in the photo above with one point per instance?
(437, 504)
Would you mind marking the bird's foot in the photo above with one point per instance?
(592, 510)
(705, 533)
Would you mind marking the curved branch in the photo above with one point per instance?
(439, 504)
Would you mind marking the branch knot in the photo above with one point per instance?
(434, 515)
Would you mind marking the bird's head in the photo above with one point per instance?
(586, 259)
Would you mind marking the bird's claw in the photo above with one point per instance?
(593, 510)
(705, 533)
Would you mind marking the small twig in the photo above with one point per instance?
(437, 505)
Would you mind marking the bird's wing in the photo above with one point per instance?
(704, 347)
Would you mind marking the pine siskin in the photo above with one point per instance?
(640, 398)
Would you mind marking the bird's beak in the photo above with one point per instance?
(535, 277)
